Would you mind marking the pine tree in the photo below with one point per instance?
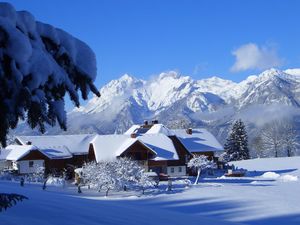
(236, 146)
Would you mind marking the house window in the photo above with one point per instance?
(179, 169)
(186, 158)
(30, 163)
(172, 169)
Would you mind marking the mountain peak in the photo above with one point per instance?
(271, 72)
(169, 74)
(127, 77)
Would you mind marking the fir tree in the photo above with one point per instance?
(236, 146)
(39, 65)
(8, 200)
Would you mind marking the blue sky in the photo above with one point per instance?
(230, 39)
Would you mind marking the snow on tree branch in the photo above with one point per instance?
(119, 174)
(200, 162)
(39, 64)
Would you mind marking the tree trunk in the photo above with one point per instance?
(198, 175)
(106, 194)
(288, 152)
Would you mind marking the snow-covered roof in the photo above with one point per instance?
(74, 144)
(200, 140)
(58, 152)
(16, 152)
(161, 144)
(132, 129)
(108, 147)
(4, 153)
(160, 129)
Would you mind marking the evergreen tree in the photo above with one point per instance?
(39, 65)
(8, 200)
(236, 146)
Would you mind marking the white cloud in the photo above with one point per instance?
(251, 56)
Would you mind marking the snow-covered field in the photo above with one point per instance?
(269, 194)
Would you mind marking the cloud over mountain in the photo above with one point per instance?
(252, 56)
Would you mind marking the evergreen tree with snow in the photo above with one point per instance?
(39, 65)
(236, 146)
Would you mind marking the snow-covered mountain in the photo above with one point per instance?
(178, 100)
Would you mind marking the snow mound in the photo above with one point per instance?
(270, 175)
(288, 178)
(55, 181)
(276, 176)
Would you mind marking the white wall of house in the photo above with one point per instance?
(176, 171)
(29, 166)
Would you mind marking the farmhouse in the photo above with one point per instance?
(158, 148)
(28, 158)
(55, 153)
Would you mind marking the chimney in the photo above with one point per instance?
(133, 135)
(28, 143)
(154, 121)
(189, 131)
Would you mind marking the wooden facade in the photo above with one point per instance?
(51, 165)
(138, 151)
(56, 166)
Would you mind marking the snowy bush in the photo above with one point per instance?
(56, 181)
(120, 174)
(37, 176)
(39, 64)
(145, 181)
(200, 162)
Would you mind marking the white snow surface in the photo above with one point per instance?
(200, 140)
(132, 129)
(251, 200)
(108, 147)
(16, 152)
(270, 175)
(161, 144)
(160, 129)
(57, 152)
(75, 144)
